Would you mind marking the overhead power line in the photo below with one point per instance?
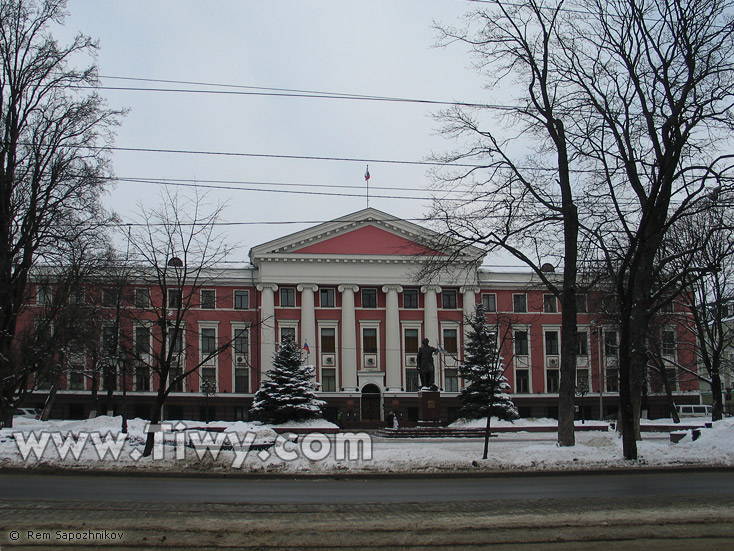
(277, 156)
(246, 90)
(235, 184)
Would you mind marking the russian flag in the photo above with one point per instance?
(306, 348)
(367, 173)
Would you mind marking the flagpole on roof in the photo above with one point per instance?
(367, 182)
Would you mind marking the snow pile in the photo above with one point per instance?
(256, 448)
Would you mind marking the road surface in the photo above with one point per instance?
(672, 511)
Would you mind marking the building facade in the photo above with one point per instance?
(350, 291)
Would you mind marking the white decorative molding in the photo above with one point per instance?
(303, 286)
(431, 288)
(269, 286)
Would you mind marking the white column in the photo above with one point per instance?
(430, 313)
(308, 323)
(392, 337)
(348, 338)
(470, 302)
(267, 326)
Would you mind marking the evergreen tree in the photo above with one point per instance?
(289, 393)
(485, 394)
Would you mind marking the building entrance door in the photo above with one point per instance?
(371, 403)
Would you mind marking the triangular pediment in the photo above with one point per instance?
(366, 233)
(367, 240)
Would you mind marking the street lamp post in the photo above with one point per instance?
(582, 390)
(123, 365)
(207, 389)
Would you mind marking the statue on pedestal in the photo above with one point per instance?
(425, 365)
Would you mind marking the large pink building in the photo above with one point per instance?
(350, 292)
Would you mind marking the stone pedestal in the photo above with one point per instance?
(430, 412)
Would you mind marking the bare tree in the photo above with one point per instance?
(653, 89)
(177, 251)
(514, 201)
(52, 168)
(709, 292)
(643, 90)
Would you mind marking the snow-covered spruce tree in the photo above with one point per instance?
(289, 393)
(485, 394)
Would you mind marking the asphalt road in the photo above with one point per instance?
(682, 510)
(362, 490)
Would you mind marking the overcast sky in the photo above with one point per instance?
(375, 47)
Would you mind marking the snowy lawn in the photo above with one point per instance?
(247, 447)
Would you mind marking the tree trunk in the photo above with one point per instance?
(487, 433)
(626, 407)
(155, 419)
(717, 411)
(6, 421)
(567, 387)
(669, 395)
(49, 402)
(95, 397)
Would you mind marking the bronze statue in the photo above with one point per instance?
(425, 365)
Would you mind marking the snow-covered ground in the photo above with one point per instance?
(244, 447)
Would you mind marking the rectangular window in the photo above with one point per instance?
(109, 340)
(328, 380)
(175, 340)
(175, 383)
(241, 342)
(612, 380)
(611, 349)
(209, 374)
(142, 297)
(369, 298)
(451, 341)
(142, 378)
(208, 299)
(287, 333)
(369, 340)
(142, 341)
(519, 303)
(411, 380)
(44, 296)
(521, 343)
(77, 296)
(522, 381)
(552, 379)
(448, 299)
(410, 298)
(110, 376)
(489, 302)
(287, 297)
(175, 298)
(241, 380)
(668, 343)
(208, 341)
(327, 298)
(581, 303)
(452, 380)
(76, 378)
(551, 343)
(109, 297)
(582, 345)
(328, 340)
(411, 341)
(241, 299)
(550, 304)
(582, 379)
(667, 308)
